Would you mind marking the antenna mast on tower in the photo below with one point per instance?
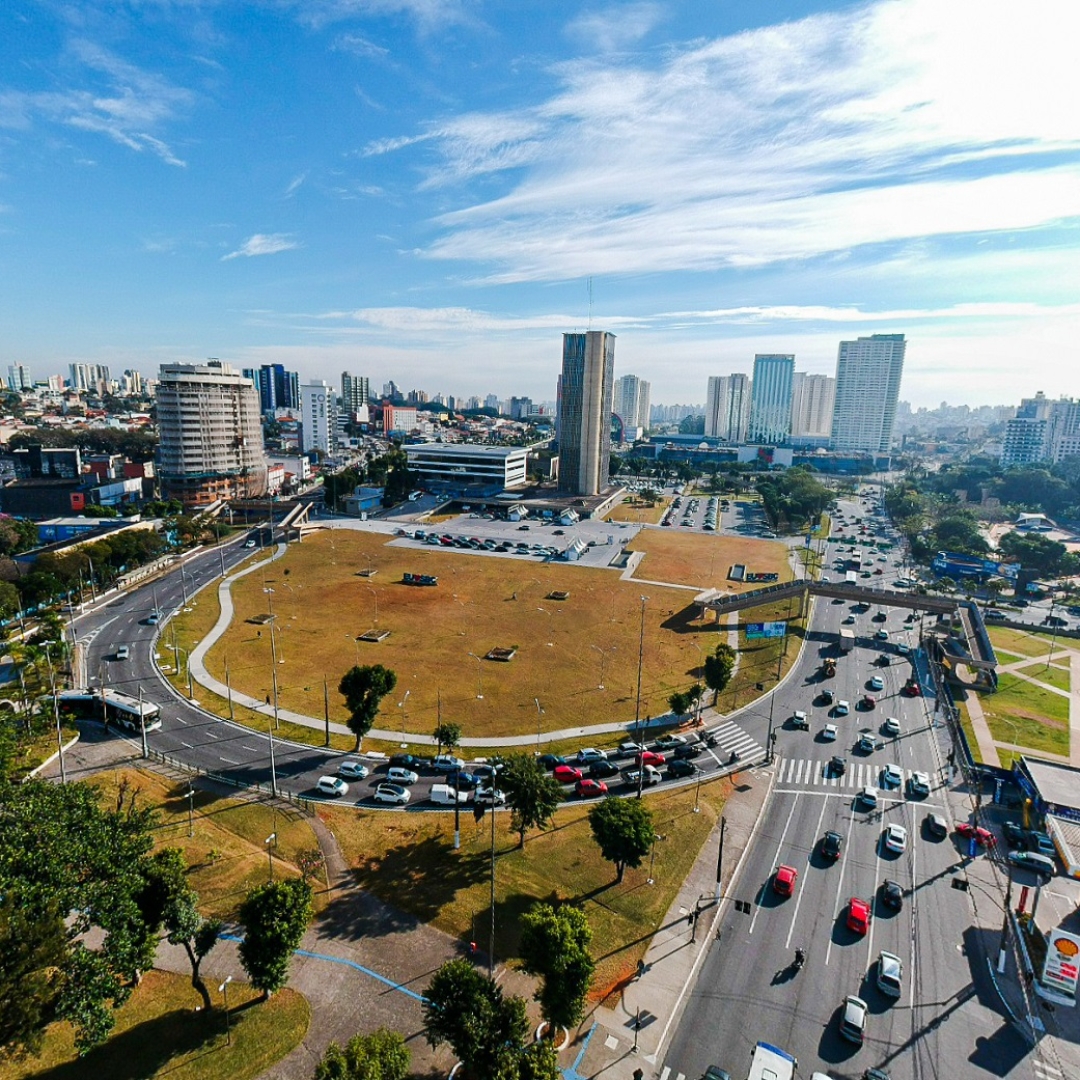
(589, 327)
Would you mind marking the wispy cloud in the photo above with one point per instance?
(359, 46)
(889, 123)
(387, 146)
(262, 244)
(613, 28)
(426, 15)
(128, 106)
(295, 184)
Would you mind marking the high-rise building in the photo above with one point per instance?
(1043, 430)
(631, 404)
(132, 383)
(19, 377)
(210, 434)
(770, 399)
(92, 378)
(278, 388)
(868, 373)
(355, 393)
(586, 389)
(812, 400)
(727, 407)
(317, 421)
(491, 402)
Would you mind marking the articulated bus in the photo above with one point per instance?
(771, 1063)
(116, 708)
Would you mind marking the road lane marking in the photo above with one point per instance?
(212, 734)
(775, 862)
(840, 878)
(228, 761)
(809, 855)
(188, 745)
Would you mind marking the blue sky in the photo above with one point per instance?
(422, 189)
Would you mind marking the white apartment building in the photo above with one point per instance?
(631, 404)
(727, 407)
(317, 419)
(210, 434)
(812, 401)
(1042, 431)
(868, 373)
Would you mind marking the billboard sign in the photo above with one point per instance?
(765, 630)
(1062, 958)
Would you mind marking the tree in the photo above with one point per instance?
(448, 735)
(531, 793)
(555, 947)
(274, 917)
(382, 1055)
(363, 688)
(719, 667)
(483, 1027)
(623, 829)
(680, 703)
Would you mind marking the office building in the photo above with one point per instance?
(317, 418)
(210, 434)
(812, 401)
(586, 389)
(355, 393)
(770, 399)
(19, 377)
(868, 373)
(278, 388)
(631, 404)
(400, 419)
(727, 407)
(497, 467)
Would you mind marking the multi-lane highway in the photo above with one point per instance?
(748, 988)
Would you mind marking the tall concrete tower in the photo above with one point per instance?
(586, 389)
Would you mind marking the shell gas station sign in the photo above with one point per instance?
(1062, 964)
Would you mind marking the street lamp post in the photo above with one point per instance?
(223, 989)
(270, 841)
(539, 715)
(190, 796)
(402, 706)
(603, 658)
(375, 597)
(640, 659)
(479, 685)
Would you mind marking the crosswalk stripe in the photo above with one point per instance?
(665, 1073)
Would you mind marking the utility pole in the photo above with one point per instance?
(640, 661)
(720, 857)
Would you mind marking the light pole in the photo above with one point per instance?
(479, 686)
(539, 715)
(270, 841)
(640, 659)
(223, 989)
(401, 704)
(375, 597)
(603, 657)
(190, 796)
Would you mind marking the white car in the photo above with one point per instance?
(398, 775)
(842, 708)
(896, 838)
(122, 652)
(890, 974)
(331, 785)
(877, 683)
(353, 769)
(589, 755)
(829, 732)
(918, 784)
(868, 796)
(892, 726)
(891, 776)
(630, 747)
(669, 742)
(903, 648)
(489, 797)
(392, 793)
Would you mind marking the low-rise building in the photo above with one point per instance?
(465, 463)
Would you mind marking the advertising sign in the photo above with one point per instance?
(765, 630)
(1060, 972)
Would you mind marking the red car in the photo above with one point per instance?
(650, 757)
(587, 788)
(784, 880)
(869, 702)
(911, 689)
(858, 916)
(566, 774)
(983, 837)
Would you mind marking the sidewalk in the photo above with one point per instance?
(604, 1046)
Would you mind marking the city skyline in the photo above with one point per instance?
(401, 192)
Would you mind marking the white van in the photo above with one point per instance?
(447, 795)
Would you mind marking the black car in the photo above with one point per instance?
(551, 761)
(892, 895)
(837, 766)
(831, 845)
(680, 767)
(827, 697)
(598, 770)
(465, 781)
(936, 826)
(409, 761)
(686, 750)
(1014, 835)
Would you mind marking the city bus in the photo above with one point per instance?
(116, 708)
(769, 1062)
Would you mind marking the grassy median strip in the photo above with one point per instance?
(159, 1033)
(408, 860)
(1051, 674)
(1023, 714)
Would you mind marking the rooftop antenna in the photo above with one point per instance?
(589, 327)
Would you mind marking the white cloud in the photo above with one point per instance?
(295, 184)
(888, 123)
(613, 28)
(262, 244)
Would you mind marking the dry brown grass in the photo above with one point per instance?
(639, 513)
(703, 560)
(408, 860)
(321, 606)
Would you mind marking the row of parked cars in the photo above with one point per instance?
(476, 543)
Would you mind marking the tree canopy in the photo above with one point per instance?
(532, 793)
(363, 688)
(382, 1055)
(275, 916)
(555, 947)
(623, 829)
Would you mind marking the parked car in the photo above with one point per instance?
(394, 794)
(331, 785)
(1015, 836)
(983, 837)
(1032, 860)
(353, 769)
(1041, 842)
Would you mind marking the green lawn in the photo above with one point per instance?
(969, 731)
(159, 1033)
(1052, 675)
(1020, 641)
(1026, 715)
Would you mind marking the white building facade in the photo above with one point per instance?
(812, 401)
(727, 407)
(317, 422)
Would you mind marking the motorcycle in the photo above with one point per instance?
(800, 959)
(734, 757)
(710, 741)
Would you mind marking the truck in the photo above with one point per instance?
(846, 640)
(828, 668)
(420, 579)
